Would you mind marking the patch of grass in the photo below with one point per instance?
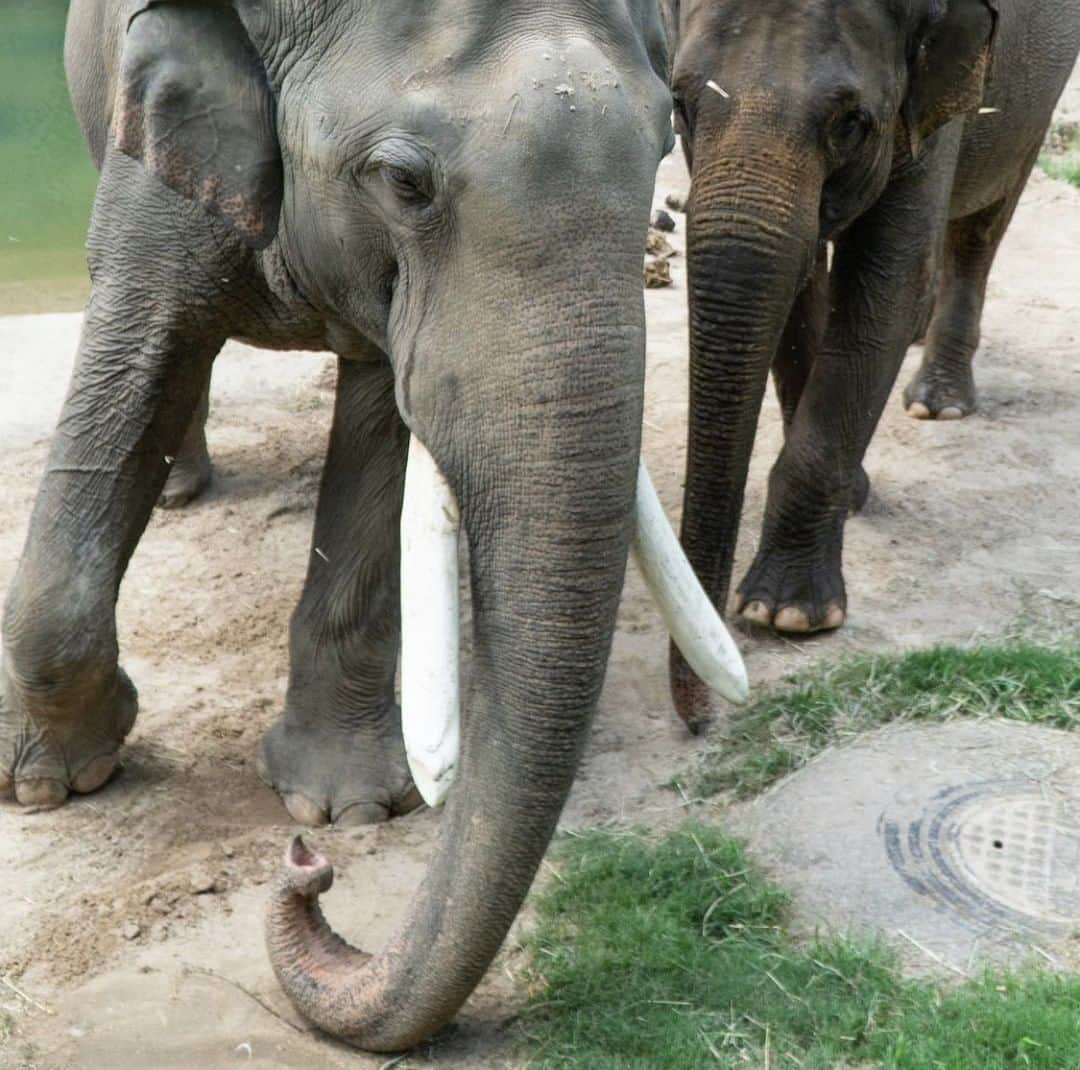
(1065, 167)
(1062, 158)
(790, 724)
(672, 954)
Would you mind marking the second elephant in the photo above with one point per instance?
(902, 133)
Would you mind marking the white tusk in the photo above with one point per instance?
(693, 622)
(430, 626)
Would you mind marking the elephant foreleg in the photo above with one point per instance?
(795, 582)
(65, 705)
(802, 339)
(337, 753)
(154, 323)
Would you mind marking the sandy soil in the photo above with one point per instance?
(112, 953)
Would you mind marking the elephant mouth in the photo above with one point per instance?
(430, 618)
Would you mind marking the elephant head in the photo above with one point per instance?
(465, 186)
(795, 117)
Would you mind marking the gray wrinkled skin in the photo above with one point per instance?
(397, 181)
(856, 122)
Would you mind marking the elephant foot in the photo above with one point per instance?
(936, 394)
(333, 775)
(188, 478)
(43, 761)
(789, 594)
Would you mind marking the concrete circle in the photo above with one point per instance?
(958, 842)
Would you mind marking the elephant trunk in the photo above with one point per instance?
(752, 232)
(548, 515)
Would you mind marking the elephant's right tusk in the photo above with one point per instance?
(693, 622)
(430, 626)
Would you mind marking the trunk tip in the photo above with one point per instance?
(305, 872)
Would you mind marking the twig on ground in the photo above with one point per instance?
(253, 996)
(7, 983)
(933, 955)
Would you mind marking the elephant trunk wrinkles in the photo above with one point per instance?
(548, 541)
(752, 232)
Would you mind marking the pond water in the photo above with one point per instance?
(46, 178)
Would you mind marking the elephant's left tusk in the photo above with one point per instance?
(430, 626)
(693, 622)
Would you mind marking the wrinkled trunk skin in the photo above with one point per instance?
(752, 225)
(545, 480)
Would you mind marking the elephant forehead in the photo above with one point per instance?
(522, 96)
(436, 38)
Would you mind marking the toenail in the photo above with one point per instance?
(756, 612)
(362, 813)
(42, 793)
(918, 410)
(950, 412)
(833, 618)
(94, 774)
(791, 619)
(304, 811)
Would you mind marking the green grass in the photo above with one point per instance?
(47, 180)
(672, 955)
(790, 724)
(1062, 158)
(1065, 166)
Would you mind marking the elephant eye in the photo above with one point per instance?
(849, 130)
(408, 186)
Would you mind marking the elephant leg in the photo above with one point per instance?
(798, 349)
(191, 470)
(944, 386)
(795, 583)
(65, 705)
(802, 339)
(337, 754)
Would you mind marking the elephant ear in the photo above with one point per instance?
(194, 105)
(948, 74)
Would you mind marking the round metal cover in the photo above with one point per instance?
(958, 841)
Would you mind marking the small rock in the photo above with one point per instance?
(675, 202)
(203, 882)
(564, 90)
(657, 245)
(131, 930)
(657, 274)
(227, 850)
(160, 904)
(662, 221)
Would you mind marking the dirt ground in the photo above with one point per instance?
(130, 934)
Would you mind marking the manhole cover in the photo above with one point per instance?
(958, 842)
(998, 852)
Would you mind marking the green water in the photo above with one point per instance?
(46, 177)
